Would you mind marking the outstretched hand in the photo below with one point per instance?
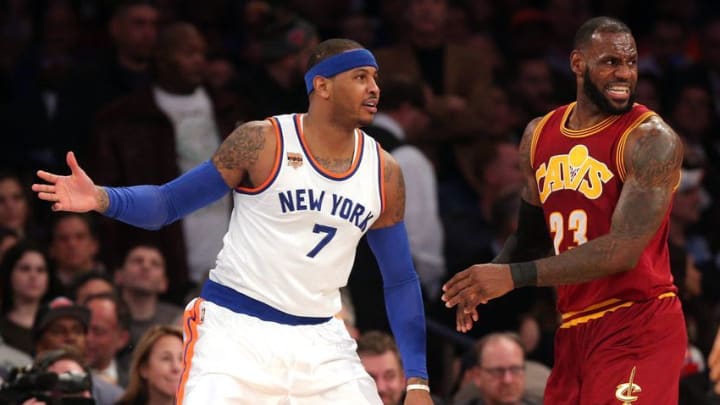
(473, 286)
(76, 192)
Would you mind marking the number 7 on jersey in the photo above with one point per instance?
(329, 232)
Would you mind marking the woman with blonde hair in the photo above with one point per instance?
(155, 368)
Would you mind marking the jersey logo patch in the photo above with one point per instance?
(625, 392)
(575, 171)
(294, 159)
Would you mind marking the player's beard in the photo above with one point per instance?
(597, 97)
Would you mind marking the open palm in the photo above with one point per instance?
(76, 192)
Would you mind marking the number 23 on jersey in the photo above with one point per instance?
(575, 225)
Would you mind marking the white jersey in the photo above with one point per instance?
(291, 241)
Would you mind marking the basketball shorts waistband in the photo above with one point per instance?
(238, 302)
(570, 319)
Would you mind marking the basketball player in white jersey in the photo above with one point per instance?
(306, 188)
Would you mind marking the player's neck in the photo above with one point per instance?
(328, 138)
(584, 115)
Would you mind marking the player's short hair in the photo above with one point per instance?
(331, 47)
(598, 24)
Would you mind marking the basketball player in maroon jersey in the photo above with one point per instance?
(600, 176)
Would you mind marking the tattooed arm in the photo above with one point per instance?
(653, 157)
(247, 154)
(394, 184)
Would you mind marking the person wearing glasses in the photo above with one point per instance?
(500, 372)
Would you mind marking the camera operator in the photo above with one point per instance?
(56, 378)
(62, 324)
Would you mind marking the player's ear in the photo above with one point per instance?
(577, 63)
(322, 86)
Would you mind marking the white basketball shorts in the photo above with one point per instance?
(233, 358)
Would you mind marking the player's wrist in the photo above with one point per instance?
(524, 274)
(416, 383)
(102, 199)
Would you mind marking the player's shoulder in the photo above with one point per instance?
(656, 125)
(653, 139)
(258, 126)
(252, 133)
(389, 162)
(654, 129)
(529, 131)
(532, 125)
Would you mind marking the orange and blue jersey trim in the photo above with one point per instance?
(280, 146)
(191, 320)
(381, 176)
(240, 303)
(596, 311)
(318, 167)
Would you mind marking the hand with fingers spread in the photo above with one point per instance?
(76, 192)
(475, 285)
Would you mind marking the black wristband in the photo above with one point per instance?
(524, 274)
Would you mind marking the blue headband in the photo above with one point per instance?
(339, 63)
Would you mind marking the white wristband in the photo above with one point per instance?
(423, 387)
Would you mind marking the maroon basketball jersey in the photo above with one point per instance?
(580, 174)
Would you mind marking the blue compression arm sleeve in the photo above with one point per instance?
(403, 298)
(152, 207)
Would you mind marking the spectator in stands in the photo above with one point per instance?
(15, 211)
(133, 29)
(61, 325)
(142, 279)
(155, 368)
(154, 135)
(108, 336)
(91, 283)
(380, 356)
(381, 359)
(24, 285)
(73, 246)
(65, 361)
(277, 85)
(500, 372)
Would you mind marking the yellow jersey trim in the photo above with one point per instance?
(536, 136)
(585, 132)
(599, 314)
(620, 152)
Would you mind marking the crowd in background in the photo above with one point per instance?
(142, 91)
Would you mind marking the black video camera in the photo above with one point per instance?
(51, 388)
